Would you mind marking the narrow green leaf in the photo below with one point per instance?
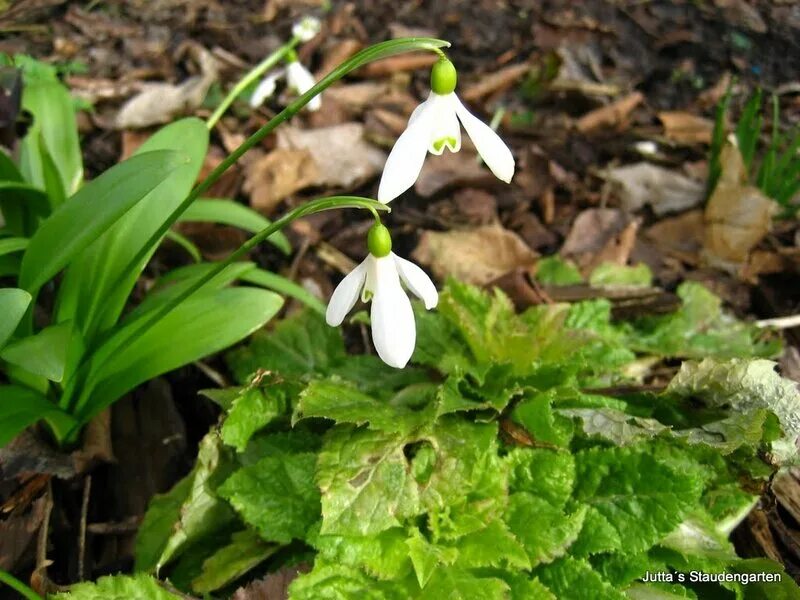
(45, 353)
(228, 212)
(287, 287)
(20, 407)
(90, 212)
(13, 304)
(188, 245)
(230, 562)
(12, 244)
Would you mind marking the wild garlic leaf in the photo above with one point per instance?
(277, 496)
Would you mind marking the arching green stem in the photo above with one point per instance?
(18, 586)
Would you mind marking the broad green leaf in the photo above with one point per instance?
(54, 133)
(13, 304)
(535, 413)
(202, 512)
(547, 474)
(140, 587)
(90, 212)
(458, 584)
(91, 292)
(426, 557)
(202, 325)
(12, 244)
(254, 408)
(277, 496)
(301, 346)
(743, 386)
(492, 546)
(227, 564)
(658, 591)
(546, 532)
(336, 400)
(163, 512)
(365, 482)
(287, 287)
(610, 275)
(384, 556)
(228, 212)
(782, 588)
(525, 588)
(21, 406)
(47, 353)
(642, 499)
(575, 579)
(554, 270)
(339, 582)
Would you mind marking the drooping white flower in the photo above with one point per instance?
(377, 279)
(306, 28)
(434, 126)
(298, 79)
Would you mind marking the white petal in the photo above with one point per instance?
(300, 80)
(306, 28)
(446, 132)
(417, 281)
(265, 89)
(393, 331)
(492, 149)
(345, 295)
(408, 154)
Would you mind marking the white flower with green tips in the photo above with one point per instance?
(378, 279)
(306, 28)
(434, 126)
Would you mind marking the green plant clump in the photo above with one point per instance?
(515, 460)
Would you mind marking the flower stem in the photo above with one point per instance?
(251, 76)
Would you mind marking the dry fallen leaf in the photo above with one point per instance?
(274, 586)
(277, 175)
(686, 128)
(737, 215)
(162, 102)
(612, 115)
(458, 169)
(342, 157)
(681, 236)
(592, 230)
(644, 183)
(475, 256)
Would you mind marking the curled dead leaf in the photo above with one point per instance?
(277, 175)
(475, 256)
(664, 190)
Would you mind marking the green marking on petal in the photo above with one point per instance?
(448, 141)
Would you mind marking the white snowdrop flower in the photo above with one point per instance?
(434, 126)
(306, 28)
(300, 80)
(266, 88)
(377, 279)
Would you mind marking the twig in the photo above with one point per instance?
(87, 488)
(780, 322)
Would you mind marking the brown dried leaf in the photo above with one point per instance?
(342, 157)
(493, 82)
(17, 532)
(681, 235)
(737, 215)
(277, 175)
(664, 190)
(592, 230)
(612, 115)
(686, 128)
(274, 586)
(476, 256)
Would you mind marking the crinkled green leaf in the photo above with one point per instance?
(427, 557)
(554, 270)
(525, 588)
(277, 495)
(548, 474)
(658, 591)
(545, 531)
(115, 587)
(365, 482)
(642, 498)
(575, 579)
(615, 425)
(492, 546)
(743, 386)
(254, 408)
(340, 582)
(230, 562)
(458, 584)
(536, 415)
(384, 555)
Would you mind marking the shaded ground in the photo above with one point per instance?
(577, 87)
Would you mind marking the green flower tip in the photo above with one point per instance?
(379, 241)
(443, 77)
